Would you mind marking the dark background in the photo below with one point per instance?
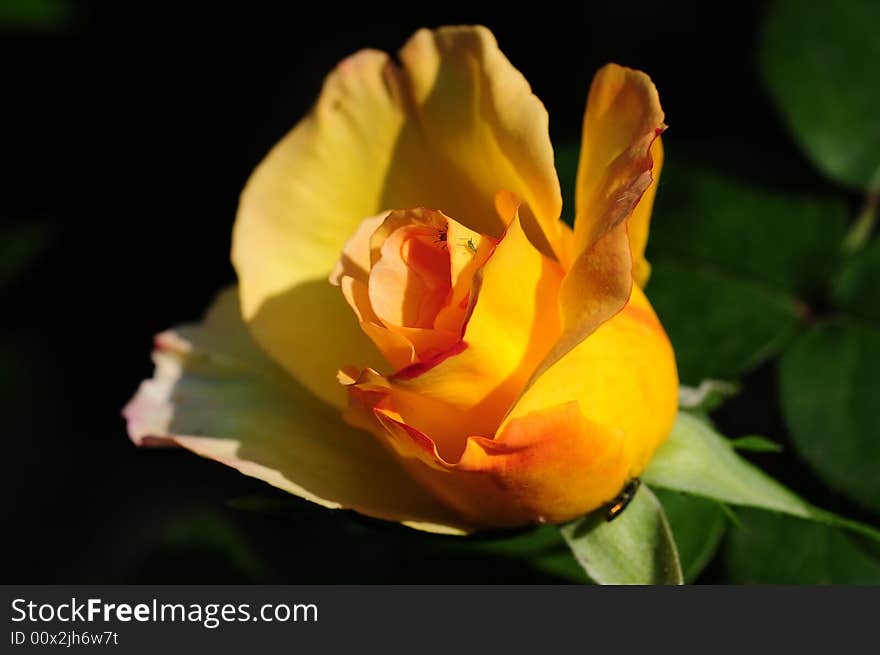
(129, 130)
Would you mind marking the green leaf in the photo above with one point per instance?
(697, 460)
(202, 548)
(698, 525)
(821, 63)
(635, 548)
(542, 548)
(756, 444)
(720, 326)
(830, 399)
(759, 222)
(855, 287)
(735, 240)
(779, 549)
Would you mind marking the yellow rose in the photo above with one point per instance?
(494, 367)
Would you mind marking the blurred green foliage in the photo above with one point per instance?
(830, 396)
(22, 243)
(855, 289)
(769, 548)
(819, 61)
(35, 15)
(198, 549)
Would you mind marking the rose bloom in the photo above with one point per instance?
(416, 335)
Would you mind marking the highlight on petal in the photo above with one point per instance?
(624, 375)
(447, 129)
(215, 393)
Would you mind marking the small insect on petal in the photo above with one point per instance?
(623, 499)
(470, 245)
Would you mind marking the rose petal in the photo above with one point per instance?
(622, 120)
(550, 466)
(623, 375)
(216, 394)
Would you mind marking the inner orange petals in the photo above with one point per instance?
(408, 276)
(411, 282)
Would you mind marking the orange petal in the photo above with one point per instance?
(408, 277)
(355, 259)
(622, 120)
(550, 466)
(411, 281)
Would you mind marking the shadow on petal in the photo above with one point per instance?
(215, 393)
(312, 332)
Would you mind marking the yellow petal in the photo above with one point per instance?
(622, 120)
(215, 393)
(623, 377)
(448, 129)
(477, 110)
(595, 288)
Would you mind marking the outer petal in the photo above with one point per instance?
(456, 123)
(622, 121)
(623, 376)
(216, 394)
(479, 111)
(553, 465)
(513, 324)
(550, 466)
